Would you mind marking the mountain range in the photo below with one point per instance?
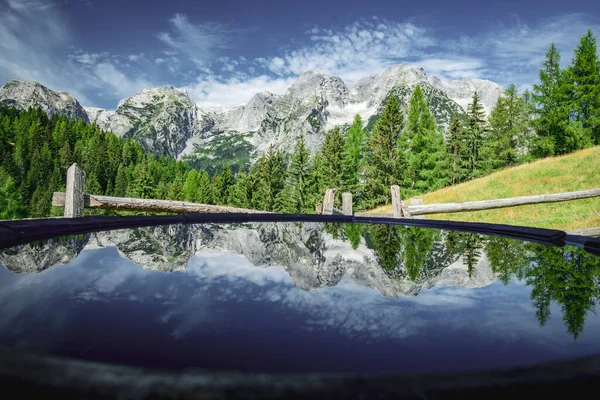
(166, 121)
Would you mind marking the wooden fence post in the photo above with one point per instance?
(399, 208)
(347, 203)
(396, 207)
(418, 202)
(328, 202)
(74, 199)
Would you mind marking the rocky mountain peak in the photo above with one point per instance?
(316, 84)
(167, 94)
(28, 94)
(248, 117)
(374, 89)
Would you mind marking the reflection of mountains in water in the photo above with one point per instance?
(396, 261)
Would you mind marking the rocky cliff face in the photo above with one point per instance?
(24, 95)
(166, 121)
(162, 119)
(312, 257)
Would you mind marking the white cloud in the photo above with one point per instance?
(452, 67)
(33, 40)
(210, 91)
(85, 58)
(120, 83)
(355, 51)
(197, 41)
(504, 53)
(28, 5)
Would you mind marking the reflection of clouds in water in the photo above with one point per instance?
(204, 296)
(45, 295)
(348, 307)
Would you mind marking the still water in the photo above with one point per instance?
(289, 297)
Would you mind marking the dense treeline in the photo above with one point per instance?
(405, 147)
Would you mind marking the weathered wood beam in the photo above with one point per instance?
(347, 203)
(585, 232)
(501, 203)
(74, 198)
(418, 202)
(149, 205)
(396, 201)
(328, 202)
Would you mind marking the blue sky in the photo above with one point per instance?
(223, 52)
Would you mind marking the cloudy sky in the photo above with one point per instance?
(224, 51)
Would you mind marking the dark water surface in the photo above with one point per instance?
(300, 298)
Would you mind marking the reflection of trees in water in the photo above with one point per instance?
(507, 257)
(333, 228)
(387, 245)
(417, 244)
(398, 247)
(467, 244)
(353, 233)
(569, 276)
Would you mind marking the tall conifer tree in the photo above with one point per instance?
(385, 156)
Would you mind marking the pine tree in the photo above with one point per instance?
(353, 156)
(65, 156)
(270, 179)
(456, 145)
(584, 74)
(190, 187)
(222, 185)
(509, 124)
(40, 203)
(141, 185)
(295, 196)
(475, 132)
(241, 192)
(552, 126)
(204, 191)
(333, 154)
(12, 205)
(427, 156)
(385, 159)
(472, 245)
(317, 184)
(120, 182)
(91, 184)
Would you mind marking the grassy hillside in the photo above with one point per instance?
(577, 171)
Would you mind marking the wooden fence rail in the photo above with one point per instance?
(75, 201)
(401, 210)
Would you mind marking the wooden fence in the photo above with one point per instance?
(417, 210)
(75, 201)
